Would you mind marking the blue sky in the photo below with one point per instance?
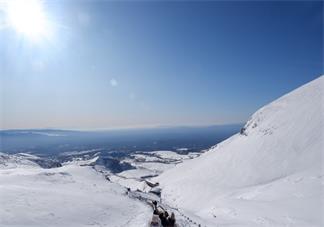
(138, 64)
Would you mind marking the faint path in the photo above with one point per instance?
(182, 220)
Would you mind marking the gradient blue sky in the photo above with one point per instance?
(138, 64)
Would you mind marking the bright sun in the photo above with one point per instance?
(28, 18)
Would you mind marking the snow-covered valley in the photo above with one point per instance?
(269, 174)
(36, 192)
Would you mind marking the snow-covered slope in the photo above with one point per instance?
(269, 175)
(71, 195)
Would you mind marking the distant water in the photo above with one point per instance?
(114, 144)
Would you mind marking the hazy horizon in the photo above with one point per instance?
(102, 65)
(125, 128)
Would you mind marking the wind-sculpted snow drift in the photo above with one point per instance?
(270, 174)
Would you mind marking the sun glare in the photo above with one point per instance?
(28, 18)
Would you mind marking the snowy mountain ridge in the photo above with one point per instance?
(269, 174)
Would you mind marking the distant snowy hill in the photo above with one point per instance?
(71, 195)
(270, 174)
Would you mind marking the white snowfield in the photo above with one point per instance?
(147, 165)
(271, 175)
(71, 196)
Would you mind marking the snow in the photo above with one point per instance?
(163, 156)
(82, 162)
(71, 195)
(71, 153)
(148, 165)
(20, 160)
(173, 155)
(270, 175)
